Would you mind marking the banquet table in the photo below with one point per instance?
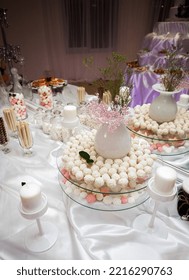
(83, 233)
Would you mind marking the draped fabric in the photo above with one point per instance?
(42, 34)
(90, 24)
(132, 25)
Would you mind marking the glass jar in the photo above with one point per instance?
(18, 104)
(38, 117)
(45, 97)
(46, 122)
(58, 132)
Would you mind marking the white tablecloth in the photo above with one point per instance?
(83, 233)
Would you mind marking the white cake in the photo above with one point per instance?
(31, 197)
(164, 180)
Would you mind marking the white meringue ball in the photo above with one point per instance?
(79, 175)
(87, 171)
(75, 169)
(111, 183)
(94, 167)
(106, 177)
(99, 196)
(88, 179)
(95, 174)
(111, 171)
(83, 194)
(99, 182)
(103, 170)
(116, 201)
(108, 200)
(77, 191)
(123, 182)
(110, 161)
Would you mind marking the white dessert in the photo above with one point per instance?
(31, 197)
(164, 133)
(164, 180)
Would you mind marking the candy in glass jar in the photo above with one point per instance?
(45, 97)
(18, 104)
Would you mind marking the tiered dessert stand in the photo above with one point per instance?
(94, 196)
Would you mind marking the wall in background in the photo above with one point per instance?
(43, 49)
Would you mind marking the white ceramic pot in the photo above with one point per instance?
(114, 144)
(164, 107)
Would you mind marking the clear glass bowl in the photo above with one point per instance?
(164, 147)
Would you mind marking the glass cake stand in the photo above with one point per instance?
(77, 192)
(163, 146)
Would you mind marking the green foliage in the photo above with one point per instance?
(174, 72)
(86, 156)
(113, 73)
(112, 76)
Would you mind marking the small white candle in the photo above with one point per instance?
(164, 180)
(70, 113)
(184, 99)
(31, 197)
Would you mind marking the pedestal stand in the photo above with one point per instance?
(40, 236)
(154, 225)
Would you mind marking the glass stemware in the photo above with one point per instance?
(25, 137)
(10, 119)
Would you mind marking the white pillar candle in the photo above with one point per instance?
(164, 180)
(31, 197)
(184, 99)
(70, 113)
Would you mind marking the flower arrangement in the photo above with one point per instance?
(174, 73)
(112, 115)
(112, 76)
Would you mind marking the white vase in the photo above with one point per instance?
(164, 107)
(114, 144)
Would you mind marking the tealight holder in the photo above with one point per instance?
(42, 235)
(151, 223)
